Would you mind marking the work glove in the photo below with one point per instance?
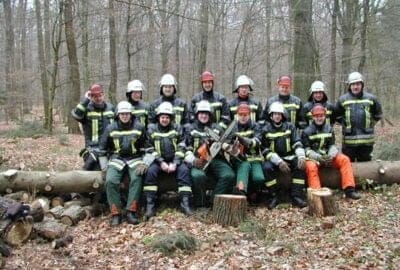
(284, 167)
(199, 163)
(246, 142)
(164, 166)
(233, 150)
(172, 167)
(301, 164)
(326, 161)
(141, 169)
(148, 159)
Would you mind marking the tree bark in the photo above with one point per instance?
(203, 33)
(229, 210)
(50, 229)
(332, 54)
(321, 202)
(112, 93)
(379, 172)
(72, 215)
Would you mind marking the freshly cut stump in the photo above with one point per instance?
(229, 210)
(321, 202)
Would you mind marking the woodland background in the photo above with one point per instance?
(52, 50)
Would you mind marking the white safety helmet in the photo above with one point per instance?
(124, 107)
(243, 80)
(317, 86)
(203, 106)
(276, 107)
(135, 85)
(165, 108)
(167, 79)
(355, 77)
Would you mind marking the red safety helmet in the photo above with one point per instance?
(243, 108)
(206, 76)
(96, 90)
(285, 80)
(318, 110)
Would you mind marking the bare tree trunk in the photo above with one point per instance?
(112, 93)
(150, 56)
(11, 91)
(85, 42)
(73, 98)
(177, 38)
(364, 26)
(268, 65)
(332, 77)
(128, 41)
(203, 36)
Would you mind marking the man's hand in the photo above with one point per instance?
(164, 166)
(284, 167)
(172, 167)
(301, 164)
(199, 163)
(87, 94)
(141, 169)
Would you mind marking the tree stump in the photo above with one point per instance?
(50, 229)
(321, 202)
(229, 210)
(73, 215)
(55, 212)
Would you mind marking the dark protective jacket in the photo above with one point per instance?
(195, 134)
(218, 104)
(248, 130)
(291, 103)
(330, 112)
(168, 142)
(94, 120)
(180, 109)
(140, 111)
(358, 115)
(123, 143)
(282, 140)
(318, 140)
(255, 108)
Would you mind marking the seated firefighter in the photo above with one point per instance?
(121, 142)
(198, 143)
(283, 152)
(95, 115)
(167, 140)
(319, 142)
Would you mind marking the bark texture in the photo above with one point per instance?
(229, 210)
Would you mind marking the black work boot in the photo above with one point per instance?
(272, 202)
(150, 205)
(131, 218)
(115, 220)
(298, 202)
(351, 193)
(185, 205)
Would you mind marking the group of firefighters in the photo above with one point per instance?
(253, 144)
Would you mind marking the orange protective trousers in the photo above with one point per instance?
(341, 162)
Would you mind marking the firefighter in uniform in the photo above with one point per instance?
(319, 143)
(168, 90)
(134, 94)
(243, 89)
(95, 115)
(291, 103)
(248, 167)
(217, 101)
(121, 142)
(358, 111)
(168, 142)
(318, 95)
(283, 152)
(218, 176)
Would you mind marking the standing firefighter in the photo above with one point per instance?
(243, 89)
(167, 140)
(319, 142)
(217, 101)
(291, 103)
(122, 142)
(218, 176)
(318, 96)
(134, 94)
(95, 115)
(168, 89)
(358, 111)
(283, 152)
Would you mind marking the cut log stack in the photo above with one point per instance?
(229, 210)
(321, 202)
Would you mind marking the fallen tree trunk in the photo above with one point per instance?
(381, 172)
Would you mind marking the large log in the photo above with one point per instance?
(50, 229)
(381, 172)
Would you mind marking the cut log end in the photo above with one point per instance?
(229, 210)
(18, 232)
(48, 188)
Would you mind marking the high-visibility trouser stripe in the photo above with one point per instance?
(95, 130)
(358, 141)
(150, 188)
(298, 181)
(270, 183)
(81, 107)
(116, 164)
(132, 163)
(116, 145)
(184, 189)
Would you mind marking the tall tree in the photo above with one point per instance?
(83, 12)
(268, 64)
(332, 53)
(11, 90)
(112, 92)
(203, 33)
(304, 53)
(73, 98)
(363, 35)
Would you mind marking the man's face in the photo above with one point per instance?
(319, 119)
(165, 120)
(243, 118)
(284, 90)
(168, 90)
(244, 91)
(203, 117)
(207, 85)
(97, 98)
(124, 117)
(136, 95)
(276, 117)
(318, 95)
(356, 88)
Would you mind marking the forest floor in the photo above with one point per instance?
(364, 235)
